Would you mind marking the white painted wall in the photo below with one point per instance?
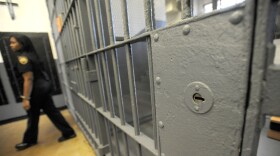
(30, 16)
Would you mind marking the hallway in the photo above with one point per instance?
(11, 134)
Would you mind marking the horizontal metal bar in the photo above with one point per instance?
(131, 40)
(9, 3)
(88, 101)
(142, 139)
(86, 126)
(101, 149)
(146, 34)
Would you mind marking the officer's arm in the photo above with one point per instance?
(27, 84)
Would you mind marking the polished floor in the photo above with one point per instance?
(11, 134)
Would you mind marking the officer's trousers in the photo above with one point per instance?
(45, 103)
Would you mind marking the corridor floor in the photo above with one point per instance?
(11, 134)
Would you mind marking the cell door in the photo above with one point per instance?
(166, 78)
(205, 73)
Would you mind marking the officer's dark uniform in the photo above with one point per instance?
(40, 98)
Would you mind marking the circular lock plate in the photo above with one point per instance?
(198, 97)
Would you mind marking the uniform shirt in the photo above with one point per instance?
(28, 62)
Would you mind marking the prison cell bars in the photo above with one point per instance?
(77, 57)
(116, 76)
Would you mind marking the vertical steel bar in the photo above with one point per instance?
(85, 78)
(64, 39)
(77, 27)
(80, 39)
(93, 124)
(214, 4)
(139, 150)
(91, 24)
(108, 132)
(126, 149)
(149, 15)
(114, 61)
(63, 42)
(103, 58)
(98, 128)
(65, 9)
(84, 111)
(90, 85)
(108, 84)
(81, 90)
(72, 26)
(150, 25)
(130, 70)
(82, 32)
(100, 81)
(159, 148)
(81, 75)
(77, 88)
(68, 39)
(89, 117)
(186, 9)
(73, 72)
(99, 23)
(117, 140)
(92, 36)
(97, 59)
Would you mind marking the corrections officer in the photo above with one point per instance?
(36, 88)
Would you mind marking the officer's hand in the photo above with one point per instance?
(26, 104)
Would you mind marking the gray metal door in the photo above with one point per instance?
(201, 72)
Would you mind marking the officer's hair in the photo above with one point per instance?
(25, 41)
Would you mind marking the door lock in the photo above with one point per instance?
(198, 97)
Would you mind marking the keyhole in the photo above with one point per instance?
(197, 98)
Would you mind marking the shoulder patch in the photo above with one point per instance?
(23, 60)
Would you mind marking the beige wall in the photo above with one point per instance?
(30, 16)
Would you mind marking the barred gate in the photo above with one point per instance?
(144, 87)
